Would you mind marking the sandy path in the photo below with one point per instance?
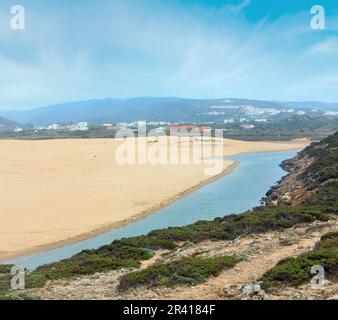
(60, 191)
(263, 252)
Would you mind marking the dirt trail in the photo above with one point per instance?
(262, 252)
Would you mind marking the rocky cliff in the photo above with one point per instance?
(314, 170)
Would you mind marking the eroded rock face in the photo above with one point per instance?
(291, 190)
(302, 180)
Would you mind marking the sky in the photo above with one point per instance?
(86, 49)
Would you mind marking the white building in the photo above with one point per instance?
(83, 126)
(54, 126)
(247, 126)
(80, 126)
(227, 121)
(331, 113)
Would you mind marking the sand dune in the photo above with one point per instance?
(59, 191)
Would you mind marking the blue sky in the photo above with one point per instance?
(83, 49)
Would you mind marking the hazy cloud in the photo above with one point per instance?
(328, 46)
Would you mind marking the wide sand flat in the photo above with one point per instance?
(58, 191)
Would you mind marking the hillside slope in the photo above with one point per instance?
(6, 124)
(313, 171)
(170, 109)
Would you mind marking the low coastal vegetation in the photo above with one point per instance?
(324, 169)
(189, 271)
(297, 271)
(319, 177)
(128, 253)
(230, 227)
(32, 280)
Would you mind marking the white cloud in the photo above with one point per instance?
(320, 85)
(326, 47)
(241, 6)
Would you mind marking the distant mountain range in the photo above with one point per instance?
(325, 106)
(7, 124)
(164, 109)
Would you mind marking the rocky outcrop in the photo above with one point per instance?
(291, 190)
(309, 172)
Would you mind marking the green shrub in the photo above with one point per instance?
(5, 278)
(5, 268)
(330, 236)
(149, 242)
(35, 280)
(16, 295)
(85, 264)
(230, 227)
(6, 293)
(4, 283)
(185, 271)
(125, 252)
(296, 271)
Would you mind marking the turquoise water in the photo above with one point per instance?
(239, 191)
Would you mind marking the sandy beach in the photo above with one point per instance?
(60, 191)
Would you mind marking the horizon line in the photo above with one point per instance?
(165, 97)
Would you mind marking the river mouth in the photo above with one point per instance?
(239, 191)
